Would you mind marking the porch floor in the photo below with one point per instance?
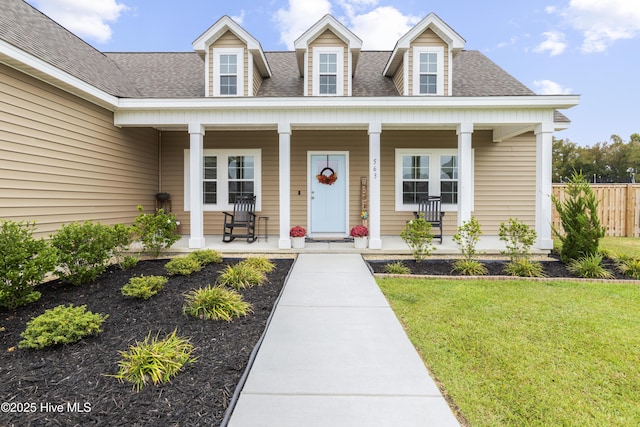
(391, 245)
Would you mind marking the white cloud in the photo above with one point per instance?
(554, 43)
(239, 18)
(603, 22)
(378, 27)
(299, 17)
(84, 18)
(381, 28)
(548, 87)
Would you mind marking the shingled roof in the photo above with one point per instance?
(26, 28)
(182, 75)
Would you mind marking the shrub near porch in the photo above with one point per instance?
(527, 353)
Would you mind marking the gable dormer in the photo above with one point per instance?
(420, 63)
(327, 55)
(235, 64)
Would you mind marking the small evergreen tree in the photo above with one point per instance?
(581, 228)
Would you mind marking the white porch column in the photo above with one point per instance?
(465, 168)
(374, 186)
(284, 179)
(544, 146)
(196, 136)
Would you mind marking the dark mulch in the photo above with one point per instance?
(444, 267)
(76, 374)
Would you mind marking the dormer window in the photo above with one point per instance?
(228, 71)
(428, 71)
(228, 75)
(328, 71)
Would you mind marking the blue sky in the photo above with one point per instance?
(585, 47)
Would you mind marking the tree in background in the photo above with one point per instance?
(608, 161)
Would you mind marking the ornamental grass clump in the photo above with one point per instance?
(144, 286)
(206, 256)
(215, 303)
(24, 261)
(589, 267)
(241, 275)
(397, 268)
(629, 267)
(61, 325)
(524, 267)
(467, 239)
(417, 235)
(156, 360)
(260, 263)
(183, 266)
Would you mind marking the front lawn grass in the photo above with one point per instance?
(618, 246)
(514, 353)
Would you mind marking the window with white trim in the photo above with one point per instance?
(328, 71)
(421, 173)
(428, 71)
(228, 72)
(226, 174)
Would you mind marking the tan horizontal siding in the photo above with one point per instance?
(62, 159)
(173, 146)
(398, 79)
(505, 182)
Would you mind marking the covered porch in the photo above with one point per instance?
(391, 245)
(500, 153)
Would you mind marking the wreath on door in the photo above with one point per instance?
(327, 176)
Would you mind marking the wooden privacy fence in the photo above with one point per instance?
(619, 208)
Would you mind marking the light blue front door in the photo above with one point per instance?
(328, 199)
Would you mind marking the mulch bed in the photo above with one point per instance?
(444, 267)
(58, 378)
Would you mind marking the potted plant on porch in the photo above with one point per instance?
(359, 234)
(297, 235)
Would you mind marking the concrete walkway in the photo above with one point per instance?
(336, 355)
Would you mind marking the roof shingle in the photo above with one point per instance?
(33, 32)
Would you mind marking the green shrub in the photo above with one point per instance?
(523, 267)
(144, 286)
(467, 238)
(581, 228)
(417, 235)
(630, 267)
(156, 360)
(215, 303)
(260, 263)
(590, 267)
(61, 325)
(519, 239)
(397, 268)
(24, 261)
(123, 236)
(183, 266)
(469, 267)
(83, 250)
(156, 231)
(241, 275)
(128, 262)
(206, 256)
